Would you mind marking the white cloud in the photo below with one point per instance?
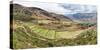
(59, 8)
(80, 8)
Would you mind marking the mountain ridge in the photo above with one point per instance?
(38, 13)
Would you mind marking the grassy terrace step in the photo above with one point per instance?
(44, 32)
(50, 34)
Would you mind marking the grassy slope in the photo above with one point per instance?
(33, 36)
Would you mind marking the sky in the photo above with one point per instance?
(60, 8)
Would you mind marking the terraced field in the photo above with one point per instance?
(50, 34)
(33, 36)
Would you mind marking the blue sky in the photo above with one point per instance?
(60, 8)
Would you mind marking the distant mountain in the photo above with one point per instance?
(30, 13)
(84, 17)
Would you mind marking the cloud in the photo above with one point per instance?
(59, 8)
(76, 8)
(51, 7)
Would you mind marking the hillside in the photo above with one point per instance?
(29, 13)
(34, 27)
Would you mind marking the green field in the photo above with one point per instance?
(34, 36)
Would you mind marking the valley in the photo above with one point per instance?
(35, 28)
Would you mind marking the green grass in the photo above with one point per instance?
(87, 24)
(37, 37)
